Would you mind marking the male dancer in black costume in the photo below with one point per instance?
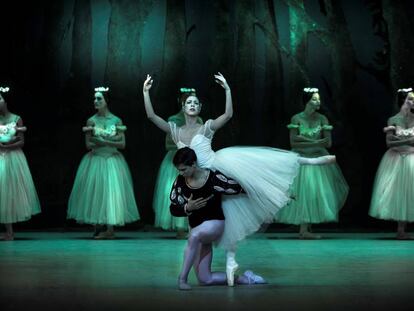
(196, 194)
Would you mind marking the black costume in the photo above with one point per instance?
(216, 184)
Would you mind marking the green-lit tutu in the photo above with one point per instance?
(393, 193)
(18, 197)
(319, 192)
(161, 203)
(103, 191)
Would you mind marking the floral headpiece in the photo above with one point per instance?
(4, 89)
(101, 89)
(187, 90)
(311, 90)
(405, 90)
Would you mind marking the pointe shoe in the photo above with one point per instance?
(254, 278)
(231, 269)
(183, 285)
(328, 159)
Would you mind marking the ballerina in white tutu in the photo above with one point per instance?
(18, 196)
(393, 196)
(102, 194)
(266, 174)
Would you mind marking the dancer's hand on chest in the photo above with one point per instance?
(196, 204)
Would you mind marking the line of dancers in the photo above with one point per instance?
(303, 186)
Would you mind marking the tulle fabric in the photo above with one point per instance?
(103, 191)
(266, 174)
(393, 193)
(18, 197)
(319, 193)
(161, 203)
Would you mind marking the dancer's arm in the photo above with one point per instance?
(326, 132)
(120, 134)
(225, 185)
(117, 141)
(298, 141)
(88, 129)
(228, 112)
(18, 141)
(157, 120)
(393, 140)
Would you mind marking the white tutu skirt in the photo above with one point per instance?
(103, 192)
(393, 193)
(266, 174)
(18, 196)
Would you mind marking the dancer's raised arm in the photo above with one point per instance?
(228, 113)
(157, 120)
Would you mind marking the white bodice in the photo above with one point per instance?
(8, 130)
(105, 126)
(200, 143)
(404, 132)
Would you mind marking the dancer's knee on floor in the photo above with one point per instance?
(205, 280)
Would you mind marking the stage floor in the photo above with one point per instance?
(138, 271)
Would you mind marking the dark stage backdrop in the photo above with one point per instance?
(54, 52)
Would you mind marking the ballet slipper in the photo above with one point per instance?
(183, 285)
(254, 278)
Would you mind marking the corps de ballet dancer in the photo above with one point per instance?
(18, 196)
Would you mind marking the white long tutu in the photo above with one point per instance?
(266, 174)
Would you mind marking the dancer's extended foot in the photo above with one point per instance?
(231, 269)
(183, 285)
(309, 236)
(253, 278)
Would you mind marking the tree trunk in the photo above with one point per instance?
(298, 72)
(244, 106)
(273, 101)
(123, 68)
(221, 60)
(343, 58)
(398, 19)
(173, 67)
(79, 83)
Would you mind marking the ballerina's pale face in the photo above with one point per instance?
(314, 103)
(409, 101)
(192, 106)
(99, 101)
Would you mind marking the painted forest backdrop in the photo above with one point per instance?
(54, 52)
